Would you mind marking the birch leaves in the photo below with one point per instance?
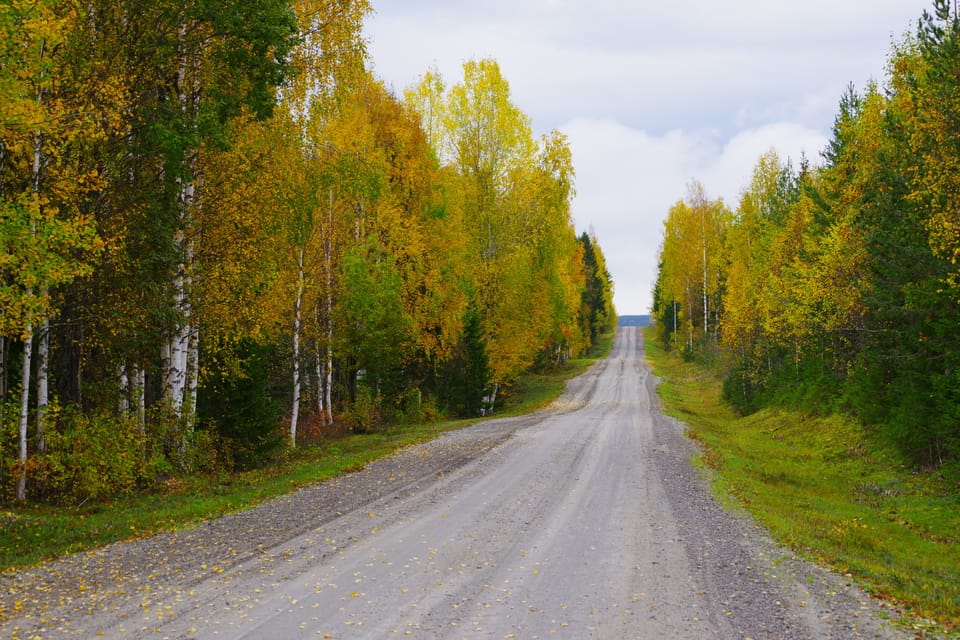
(691, 261)
(524, 265)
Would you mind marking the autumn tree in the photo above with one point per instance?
(47, 122)
(906, 375)
(692, 263)
(524, 270)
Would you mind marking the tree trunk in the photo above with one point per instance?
(177, 347)
(329, 381)
(295, 410)
(43, 383)
(703, 236)
(123, 404)
(140, 397)
(328, 271)
(674, 319)
(28, 329)
(193, 373)
(24, 411)
(183, 348)
(320, 380)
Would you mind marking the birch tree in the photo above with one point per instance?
(212, 61)
(692, 259)
(491, 142)
(46, 239)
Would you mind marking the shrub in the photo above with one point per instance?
(91, 458)
(364, 415)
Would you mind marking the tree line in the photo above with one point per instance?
(220, 233)
(837, 287)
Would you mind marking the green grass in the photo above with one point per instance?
(32, 534)
(827, 488)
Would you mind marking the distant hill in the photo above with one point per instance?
(633, 321)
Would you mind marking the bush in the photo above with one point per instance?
(92, 458)
(364, 415)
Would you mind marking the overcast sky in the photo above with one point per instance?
(653, 94)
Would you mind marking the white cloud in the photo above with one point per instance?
(730, 172)
(627, 180)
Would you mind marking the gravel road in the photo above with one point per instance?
(586, 520)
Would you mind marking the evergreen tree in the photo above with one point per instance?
(465, 380)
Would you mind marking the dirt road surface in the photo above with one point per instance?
(586, 520)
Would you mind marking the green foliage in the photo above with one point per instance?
(465, 380)
(911, 354)
(378, 334)
(86, 458)
(238, 402)
(365, 414)
(597, 315)
(255, 39)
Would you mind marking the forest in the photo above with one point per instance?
(835, 287)
(221, 235)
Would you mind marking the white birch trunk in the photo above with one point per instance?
(328, 270)
(193, 372)
(703, 236)
(706, 314)
(490, 400)
(140, 396)
(193, 322)
(329, 382)
(295, 409)
(182, 352)
(175, 360)
(318, 361)
(123, 404)
(183, 343)
(28, 330)
(43, 383)
(176, 349)
(24, 410)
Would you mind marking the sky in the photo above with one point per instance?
(654, 94)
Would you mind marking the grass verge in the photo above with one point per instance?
(32, 534)
(825, 487)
